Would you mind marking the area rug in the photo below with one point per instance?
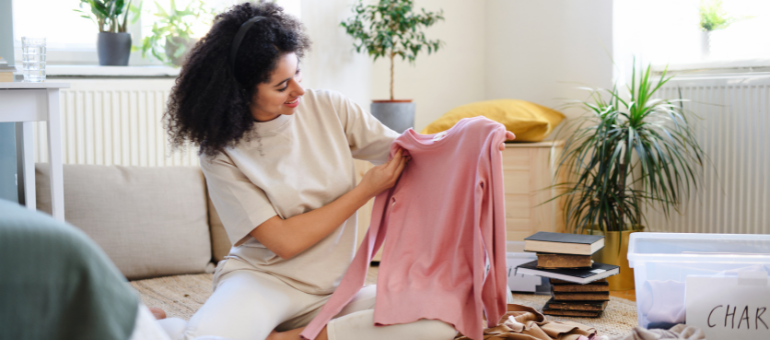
(180, 296)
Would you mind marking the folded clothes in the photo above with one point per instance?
(680, 331)
(662, 301)
(526, 323)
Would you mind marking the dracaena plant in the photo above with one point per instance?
(624, 154)
(109, 15)
(390, 28)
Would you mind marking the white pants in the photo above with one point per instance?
(248, 305)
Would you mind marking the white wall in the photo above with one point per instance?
(538, 51)
(541, 51)
(332, 63)
(451, 77)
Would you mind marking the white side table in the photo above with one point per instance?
(31, 102)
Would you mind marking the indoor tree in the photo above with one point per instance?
(390, 28)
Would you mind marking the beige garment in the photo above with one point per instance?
(536, 327)
(680, 331)
(289, 166)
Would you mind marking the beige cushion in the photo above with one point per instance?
(151, 221)
(220, 243)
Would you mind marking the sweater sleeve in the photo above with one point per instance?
(368, 138)
(493, 228)
(242, 205)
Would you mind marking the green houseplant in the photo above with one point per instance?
(172, 33)
(622, 156)
(713, 17)
(390, 29)
(113, 43)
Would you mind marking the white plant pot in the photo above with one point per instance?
(705, 44)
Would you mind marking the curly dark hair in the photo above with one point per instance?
(209, 103)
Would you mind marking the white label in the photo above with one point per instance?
(729, 307)
(439, 136)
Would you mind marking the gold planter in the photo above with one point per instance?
(615, 252)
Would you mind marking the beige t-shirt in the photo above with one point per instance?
(291, 165)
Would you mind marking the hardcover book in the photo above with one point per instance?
(578, 288)
(552, 261)
(581, 313)
(595, 306)
(562, 282)
(561, 243)
(601, 296)
(581, 276)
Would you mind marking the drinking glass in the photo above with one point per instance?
(33, 59)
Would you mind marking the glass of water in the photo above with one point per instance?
(33, 59)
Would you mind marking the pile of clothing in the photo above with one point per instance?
(526, 323)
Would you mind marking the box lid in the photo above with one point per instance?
(705, 248)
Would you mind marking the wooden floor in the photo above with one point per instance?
(625, 294)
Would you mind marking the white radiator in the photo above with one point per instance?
(114, 121)
(733, 129)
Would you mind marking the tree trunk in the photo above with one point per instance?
(621, 193)
(392, 55)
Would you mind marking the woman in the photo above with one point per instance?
(278, 162)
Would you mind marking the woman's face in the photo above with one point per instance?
(281, 94)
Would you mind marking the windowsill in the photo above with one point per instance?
(96, 71)
(711, 67)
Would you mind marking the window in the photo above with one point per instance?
(72, 39)
(668, 32)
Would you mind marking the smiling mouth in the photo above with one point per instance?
(293, 101)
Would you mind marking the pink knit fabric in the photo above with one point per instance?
(444, 217)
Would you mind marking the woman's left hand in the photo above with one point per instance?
(508, 136)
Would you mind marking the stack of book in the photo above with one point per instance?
(571, 299)
(578, 285)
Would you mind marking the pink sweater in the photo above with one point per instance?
(443, 218)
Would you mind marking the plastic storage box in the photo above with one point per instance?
(515, 255)
(663, 261)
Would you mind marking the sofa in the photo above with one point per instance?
(151, 221)
(156, 224)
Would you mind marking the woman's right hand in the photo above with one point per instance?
(384, 177)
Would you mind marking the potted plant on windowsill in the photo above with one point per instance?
(172, 32)
(713, 17)
(113, 43)
(388, 29)
(621, 157)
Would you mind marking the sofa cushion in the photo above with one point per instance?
(151, 221)
(220, 243)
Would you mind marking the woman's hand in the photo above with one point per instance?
(384, 177)
(508, 136)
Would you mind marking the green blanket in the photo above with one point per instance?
(55, 283)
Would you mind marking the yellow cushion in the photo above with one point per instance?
(528, 121)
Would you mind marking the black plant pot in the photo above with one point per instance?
(113, 48)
